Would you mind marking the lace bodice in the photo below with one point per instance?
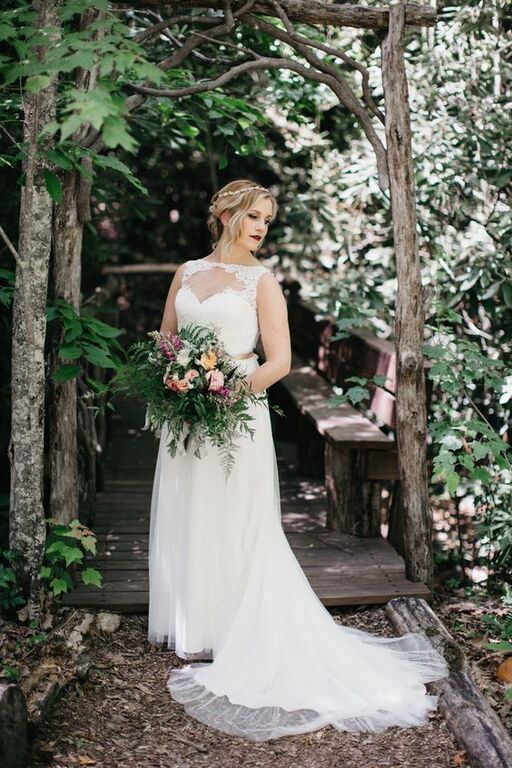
(224, 296)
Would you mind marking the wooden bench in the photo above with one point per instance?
(354, 449)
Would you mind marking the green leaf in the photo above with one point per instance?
(502, 646)
(59, 158)
(117, 165)
(58, 586)
(357, 394)
(97, 357)
(480, 450)
(63, 551)
(89, 544)
(73, 330)
(38, 83)
(103, 329)
(434, 352)
(452, 482)
(506, 290)
(115, 135)
(66, 372)
(70, 351)
(481, 473)
(91, 576)
(53, 185)
(451, 442)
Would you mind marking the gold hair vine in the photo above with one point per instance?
(239, 191)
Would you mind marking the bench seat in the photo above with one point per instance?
(342, 445)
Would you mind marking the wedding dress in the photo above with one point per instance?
(225, 584)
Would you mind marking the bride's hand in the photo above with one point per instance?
(244, 384)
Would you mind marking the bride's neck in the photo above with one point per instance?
(236, 255)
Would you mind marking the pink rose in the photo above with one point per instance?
(182, 385)
(190, 375)
(215, 379)
(171, 384)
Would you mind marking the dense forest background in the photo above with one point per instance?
(151, 192)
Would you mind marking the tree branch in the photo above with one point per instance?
(262, 62)
(337, 83)
(94, 141)
(150, 32)
(318, 12)
(12, 249)
(365, 75)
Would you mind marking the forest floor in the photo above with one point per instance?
(122, 713)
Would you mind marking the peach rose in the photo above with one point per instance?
(182, 385)
(208, 360)
(215, 380)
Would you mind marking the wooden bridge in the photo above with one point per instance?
(342, 569)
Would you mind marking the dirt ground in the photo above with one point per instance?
(123, 716)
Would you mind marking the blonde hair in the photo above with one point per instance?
(237, 197)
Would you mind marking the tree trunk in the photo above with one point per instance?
(62, 396)
(26, 448)
(71, 213)
(409, 320)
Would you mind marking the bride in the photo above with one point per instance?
(226, 592)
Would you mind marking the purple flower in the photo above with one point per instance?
(167, 351)
(176, 341)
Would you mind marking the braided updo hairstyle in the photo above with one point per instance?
(232, 199)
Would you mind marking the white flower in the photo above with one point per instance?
(183, 356)
(506, 392)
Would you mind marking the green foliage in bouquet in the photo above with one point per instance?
(190, 383)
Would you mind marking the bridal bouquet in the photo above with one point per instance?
(190, 383)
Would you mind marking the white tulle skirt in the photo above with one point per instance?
(225, 585)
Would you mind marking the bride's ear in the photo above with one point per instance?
(225, 217)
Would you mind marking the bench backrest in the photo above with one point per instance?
(359, 354)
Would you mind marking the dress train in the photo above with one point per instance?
(225, 584)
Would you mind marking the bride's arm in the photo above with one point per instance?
(169, 322)
(275, 334)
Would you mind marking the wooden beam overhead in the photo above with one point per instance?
(307, 12)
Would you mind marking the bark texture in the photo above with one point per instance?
(318, 12)
(70, 215)
(26, 447)
(474, 724)
(409, 317)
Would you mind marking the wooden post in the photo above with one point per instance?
(409, 318)
(353, 501)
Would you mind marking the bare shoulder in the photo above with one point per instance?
(178, 276)
(269, 293)
(181, 268)
(268, 283)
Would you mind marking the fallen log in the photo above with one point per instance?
(474, 724)
(13, 726)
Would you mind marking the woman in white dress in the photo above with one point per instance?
(226, 592)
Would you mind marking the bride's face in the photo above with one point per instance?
(255, 224)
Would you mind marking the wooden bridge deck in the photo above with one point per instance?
(342, 569)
